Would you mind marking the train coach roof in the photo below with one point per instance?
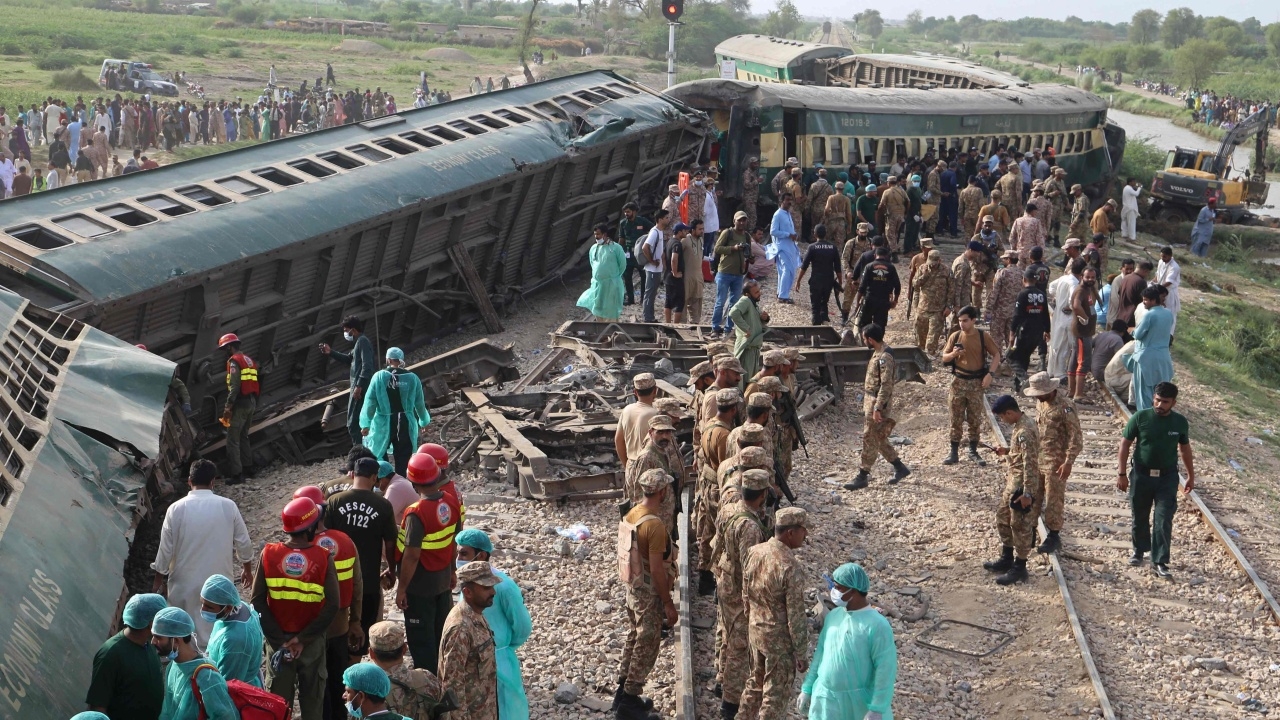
(942, 64)
(1032, 100)
(130, 261)
(774, 51)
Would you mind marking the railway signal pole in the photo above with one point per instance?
(672, 10)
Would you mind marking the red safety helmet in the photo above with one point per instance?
(300, 514)
(227, 339)
(437, 452)
(423, 469)
(140, 346)
(315, 494)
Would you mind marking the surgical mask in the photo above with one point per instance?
(354, 711)
(601, 240)
(171, 655)
(699, 183)
(460, 562)
(837, 597)
(208, 616)
(348, 337)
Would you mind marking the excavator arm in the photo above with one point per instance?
(1254, 126)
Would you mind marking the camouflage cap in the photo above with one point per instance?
(729, 363)
(756, 479)
(728, 396)
(934, 255)
(752, 432)
(771, 384)
(386, 636)
(670, 406)
(754, 457)
(1076, 187)
(774, 358)
(791, 517)
(660, 422)
(654, 480)
(760, 400)
(926, 242)
(644, 381)
(864, 227)
(479, 572)
(699, 371)
(793, 354)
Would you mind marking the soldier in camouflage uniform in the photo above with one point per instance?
(1055, 189)
(783, 439)
(933, 187)
(696, 198)
(788, 373)
(700, 378)
(741, 525)
(837, 214)
(414, 691)
(715, 450)
(853, 249)
(799, 200)
(1060, 443)
(1001, 222)
(778, 185)
(771, 362)
(751, 190)
(728, 375)
(935, 286)
(1040, 206)
(1080, 214)
(816, 199)
(649, 602)
(877, 409)
(777, 631)
(468, 664)
(662, 435)
(1010, 185)
(893, 205)
(971, 202)
(1001, 299)
(1023, 484)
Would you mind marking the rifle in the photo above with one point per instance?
(911, 296)
(792, 418)
(782, 481)
(856, 309)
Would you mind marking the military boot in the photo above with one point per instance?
(859, 482)
(728, 710)
(617, 696)
(1003, 564)
(974, 456)
(632, 707)
(900, 471)
(706, 582)
(954, 457)
(1051, 543)
(1016, 574)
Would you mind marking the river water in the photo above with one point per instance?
(1166, 136)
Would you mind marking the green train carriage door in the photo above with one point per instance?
(741, 141)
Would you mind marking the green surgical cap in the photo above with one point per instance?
(142, 609)
(172, 622)
(219, 590)
(474, 538)
(90, 715)
(367, 678)
(385, 469)
(851, 575)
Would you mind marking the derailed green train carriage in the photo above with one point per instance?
(840, 127)
(386, 219)
(82, 450)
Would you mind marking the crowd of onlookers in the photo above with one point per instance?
(1158, 87)
(1225, 111)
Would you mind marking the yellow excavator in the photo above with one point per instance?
(1190, 177)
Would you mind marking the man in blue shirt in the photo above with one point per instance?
(783, 250)
(363, 366)
(950, 201)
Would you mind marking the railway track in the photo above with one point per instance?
(1199, 641)
(832, 32)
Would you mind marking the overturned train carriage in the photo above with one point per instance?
(87, 437)
(416, 221)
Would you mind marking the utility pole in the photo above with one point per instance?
(671, 54)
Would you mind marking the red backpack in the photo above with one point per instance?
(253, 703)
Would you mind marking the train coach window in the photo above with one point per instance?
(590, 97)
(818, 150)
(202, 195)
(311, 167)
(487, 121)
(83, 225)
(422, 139)
(444, 132)
(242, 186)
(510, 115)
(279, 177)
(606, 92)
(368, 153)
(337, 159)
(837, 150)
(623, 89)
(38, 237)
(572, 104)
(467, 127)
(394, 146)
(551, 109)
(162, 203)
(126, 215)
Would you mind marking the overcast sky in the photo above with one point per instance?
(1267, 11)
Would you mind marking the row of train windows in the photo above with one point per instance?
(885, 151)
(85, 225)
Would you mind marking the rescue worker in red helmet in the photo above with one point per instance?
(242, 400)
(441, 456)
(345, 631)
(296, 594)
(427, 552)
